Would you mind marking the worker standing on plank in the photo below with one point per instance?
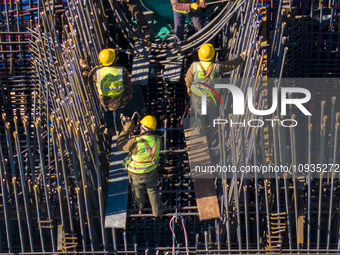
(183, 9)
(142, 162)
(114, 88)
(204, 71)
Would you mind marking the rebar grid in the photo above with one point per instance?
(53, 167)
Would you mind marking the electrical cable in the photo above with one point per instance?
(173, 233)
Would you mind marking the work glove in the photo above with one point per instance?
(84, 68)
(203, 4)
(194, 6)
(245, 53)
(129, 126)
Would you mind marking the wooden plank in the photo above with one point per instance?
(300, 229)
(60, 238)
(206, 199)
(117, 197)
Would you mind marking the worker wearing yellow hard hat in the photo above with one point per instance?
(202, 73)
(114, 88)
(142, 162)
(107, 57)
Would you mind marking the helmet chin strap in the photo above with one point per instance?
(145, 128)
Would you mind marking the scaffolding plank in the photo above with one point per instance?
(117, 197)
(205, 192)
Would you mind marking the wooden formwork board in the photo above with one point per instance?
(117, 197)
(205, 192)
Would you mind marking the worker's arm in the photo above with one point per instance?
(84, 68)
(92, 75)
(230, 65)
(178, 6)
(189, 77)
(124, 143)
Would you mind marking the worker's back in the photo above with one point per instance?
(109, 81)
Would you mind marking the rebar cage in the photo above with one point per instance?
(54, 166)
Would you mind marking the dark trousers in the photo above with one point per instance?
(212, 113)
(179, 20)
(204, 120)
(148, 181)
(109, 119)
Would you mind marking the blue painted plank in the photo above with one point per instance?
(117, 197)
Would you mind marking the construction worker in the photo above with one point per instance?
(114, 88)
(142, 162)
(183, 9)
(205, 71)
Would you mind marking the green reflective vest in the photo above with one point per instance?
(197, 89)
(185, 12)
(141, 163)
(110, 81)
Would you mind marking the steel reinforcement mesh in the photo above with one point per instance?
(36, 190)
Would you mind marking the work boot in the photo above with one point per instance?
(164, 207)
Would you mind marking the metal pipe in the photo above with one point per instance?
(81, 219)
(63, 167)
(35, 188)
(42, 169)
(246, 215)
(294, 165)
(319, 212)
(4, 191)
(165, 132)
(24, 188)
(28, 144)
(290, 240)
(21, 233)
(9, 145)
(309, 184)
(227, 216)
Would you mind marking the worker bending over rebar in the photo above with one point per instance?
(142, 162)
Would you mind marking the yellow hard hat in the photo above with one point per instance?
(149, 122)
(206, 52)
(107, 57)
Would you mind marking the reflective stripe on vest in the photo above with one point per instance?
(185, 12)
(140, 163)
(199, 77)
(110, 81)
